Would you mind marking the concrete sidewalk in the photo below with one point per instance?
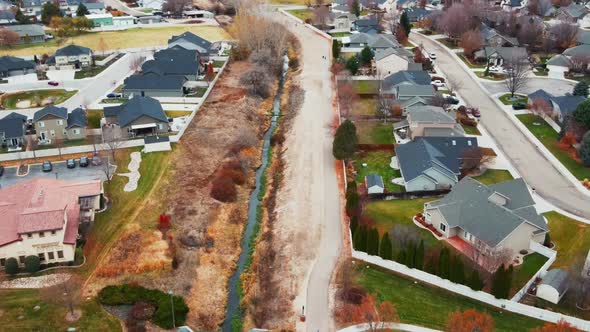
(392, 326)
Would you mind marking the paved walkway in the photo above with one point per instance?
(392, 326)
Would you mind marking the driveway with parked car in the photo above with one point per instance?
(59, 171)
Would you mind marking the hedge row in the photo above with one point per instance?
(130, 294)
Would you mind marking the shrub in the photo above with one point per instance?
(143, 310)
(223, 189)
(131, 294)
(345, 141)
(32, 264)
(11, 266)
(584, 151)
(547, 241)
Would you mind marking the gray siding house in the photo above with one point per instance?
(29, 33)
(12, 66)
(12, 131)
(154, 85)
(190, 41)
(140, 116)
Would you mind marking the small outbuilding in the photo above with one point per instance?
(553, 286)
(156, 143)
(374, 183)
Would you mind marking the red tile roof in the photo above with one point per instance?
(40, 205)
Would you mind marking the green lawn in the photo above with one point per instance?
(302, 14)
(9, 100)
(448, 43)
(539, 72)
(523, 273)
(388, 214)
(176, 114)
(93, 118)
(491, 76)
(492, 176)
(50, 317)
(199, 92)
(549, 138)
(469, 63)
(377, 162)
(114, 100)
(218, 63)
(470, 130)
(340, 34)
(507, 100)
(374, 132)
(366, 87)
(89, 72)
(571, 237)
(365, 106)
(420, 304)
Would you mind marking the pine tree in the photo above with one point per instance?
(419, 260)
(474, 281)
(385, 250)
(345, 141)
(373, 242)
(21, 18)
(352, 203)
(459, 271)
(366, 56)
(584, 151)
(354, 222)
(360, 239)
(405, 23)
(411, 257)
(581, 89)
(336, 49)
(444, 263)
(355, 8)
(401, 257)
(82, 10)
(499, 283)
(352, 65)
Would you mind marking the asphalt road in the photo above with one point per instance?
(60, 171)
(553, 86)
(539, 173)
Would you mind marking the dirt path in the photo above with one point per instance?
(309, 206)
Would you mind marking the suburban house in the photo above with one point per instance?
(32, 7)
(72, 57)
(52, 122)
(428, 121)
(140, 116)
(411, 91)
(375, 42)
(493, 38)
(13, 66)
(153, 84)
(405, 77)
(561, 105)
(341, 22)
(511, 5)
(12, 131)
(367, 25)
(150, 19)
(494, 219)
(391, 60)
(558, 66)
(41, 216)
(583, 37)
(433, 163)
(108, 20)
(374, 184)
(190, 41)
(29, 33)
(574, 13)
(7, 17)
(173, 62)
(417, 14)
(498, 56)
(553, 285)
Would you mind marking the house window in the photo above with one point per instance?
(76, 131)
(42, 234)
(41, 124)
(2, 261)
(60, 122)
(42, 256)
(442, 227)
(50, 255)
(21, 259)
(30, 235)
(60, 254)
(52, 132)
(52, 232)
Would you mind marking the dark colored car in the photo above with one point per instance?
(47, 167)
(518, 106)
(1, 170)
(84, 162)
(71, 163)
(96, 159)
(476, 113)
(114, 95)
(452, 100)
(53, 83)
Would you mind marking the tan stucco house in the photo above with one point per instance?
(72, 57)
(52, 122)
(140, 116)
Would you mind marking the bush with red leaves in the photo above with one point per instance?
(224, 189)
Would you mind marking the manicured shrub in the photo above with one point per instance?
(502, 282)
(223, 189)
(547, 241)
(584, 151)
(386, 249)
(366, 56)
(345, 141)
(474, 281)
(336, 48)
(419, 256)
(360, 239)
(373, 242)
(32, 264)
(131, 294)
(353, 225)
(11, 266)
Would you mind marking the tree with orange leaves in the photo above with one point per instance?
(369, 312)
(470, 320)
(561, 326)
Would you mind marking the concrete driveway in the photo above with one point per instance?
(61, 75)
(60, 171)
(554, 86)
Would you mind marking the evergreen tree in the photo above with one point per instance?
(345, 141)
(82, 10)
(584, 151)
(474, 281)
(352, 203)
(401, 257)
(411, 255)
(11, 266)
(582, 113)
(500, 282)
(373, 242)
(547, 240)
(404, 21)
(35, 59)
(366, 56)
(360, 239)
(430, 266)
(355, 8)
(353, 225)
(21, 18)
(336, 49)
(419, 259)
(352, 65)
(49, 10)
(385, 250)
(444, 264)
(459, 271)
(581, 89)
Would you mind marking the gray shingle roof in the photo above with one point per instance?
(431, 114)
(401, 52)
(575, 10)
(568, 104)
(559, 60)
(415, 90)
(15, 115)
(407, 76)
(374, 180)
(135, 108)
(77, 118)
(154, 81)
(469, 207)
(173, 62)
(578, 50)
(583, 37)
(12, 127)
(456, 131)
(423, 153)
(556, 278)
(8, 63)
(60, 112)
(27, 29)
(193, 39)
(507, 53)
(487, 33)
(73, 50)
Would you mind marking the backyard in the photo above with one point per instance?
(18, 313)
(377, 162)
(36, 98)
(364, 107)
(571, 238)
(121, 39)
(302, 14)
(424, 305)
(550, 139)
(523, 273)
(492, 176)
(371, 132)
(365, 87)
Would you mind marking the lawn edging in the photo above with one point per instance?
(514, 307)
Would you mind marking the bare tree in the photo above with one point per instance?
(59, 143)
(386, 100)
(347, 97)
(471, 41)
(579, 283)
(67, 294)
(539, 7)
(453, 84)
(564, 34)
(517, 73)
(111, 138)
(529, 33)
(257, 81)
(580, 62)
(8, 37)
(320, 16)
(474, 159)
(176, 7)
(541, 107)
(456, 20)
(491, 260)
(102, 46)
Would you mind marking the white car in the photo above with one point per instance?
(438, 83)
(432, 55)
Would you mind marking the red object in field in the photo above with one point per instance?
(164, 221)
(302, 318)
(53, 83)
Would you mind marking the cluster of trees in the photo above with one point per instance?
(419, 57)
(32, 265)
(362, 59)
(67, 26)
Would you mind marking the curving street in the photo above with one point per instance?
(554, 86)
(539, 173)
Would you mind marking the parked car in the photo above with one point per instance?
(438, 84)
(84, 162)
(432, 55)
(53, 83)
(1, 170)
(47, 167)
(518, 106)
(476, 113)
(450, 99)
(114, 95)
(96, 159)
(71, 163)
